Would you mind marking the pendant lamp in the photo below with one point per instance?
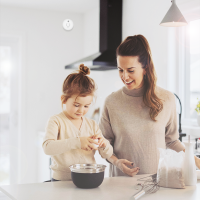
(174, 17)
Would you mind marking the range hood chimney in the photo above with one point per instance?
(110, 38)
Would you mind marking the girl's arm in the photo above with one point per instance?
(106, 129)
(106, 151)
(52, 146)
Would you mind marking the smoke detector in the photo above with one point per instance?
(68, 24)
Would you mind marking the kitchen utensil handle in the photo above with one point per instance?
(138, 194)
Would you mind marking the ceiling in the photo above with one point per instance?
(77, 6)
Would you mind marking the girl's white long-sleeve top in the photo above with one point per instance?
(62, 142)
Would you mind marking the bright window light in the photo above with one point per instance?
(194, 30)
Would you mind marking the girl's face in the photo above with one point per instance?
(131, 71)
(76, 107)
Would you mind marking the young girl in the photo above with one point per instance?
(69, 137)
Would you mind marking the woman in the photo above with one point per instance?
(141, 117)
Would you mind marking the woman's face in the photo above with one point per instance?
(131, 71)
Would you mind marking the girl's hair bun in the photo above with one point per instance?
(83, 69)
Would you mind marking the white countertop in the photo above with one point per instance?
(115, 188)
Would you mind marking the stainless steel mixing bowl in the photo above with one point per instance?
(87, 175)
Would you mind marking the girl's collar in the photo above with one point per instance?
(83, 120)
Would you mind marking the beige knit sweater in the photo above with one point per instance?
(62, 142)
(126, 123)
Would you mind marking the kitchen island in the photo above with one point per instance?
(112, 188)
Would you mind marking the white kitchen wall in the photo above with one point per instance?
(91, 32)
(47, 48)
(143, 17)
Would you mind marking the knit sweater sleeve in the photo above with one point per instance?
(105, 125)
(53, 146)
(105, 152)
(171, 130)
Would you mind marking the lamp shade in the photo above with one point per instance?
(174, 17)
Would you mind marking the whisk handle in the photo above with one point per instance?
(138, 194)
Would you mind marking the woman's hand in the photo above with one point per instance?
(122, 165)
(101, 140)
(86, 143)
(197, 161)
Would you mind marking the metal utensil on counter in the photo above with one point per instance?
(149, 186)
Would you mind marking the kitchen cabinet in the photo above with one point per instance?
(116, 188)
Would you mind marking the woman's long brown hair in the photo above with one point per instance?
(138, 45)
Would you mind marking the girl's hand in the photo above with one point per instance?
(86, 143)
(122, 165)
(101, 140)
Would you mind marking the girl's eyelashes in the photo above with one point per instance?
(76, 105)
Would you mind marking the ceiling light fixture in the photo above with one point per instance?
(174, 17)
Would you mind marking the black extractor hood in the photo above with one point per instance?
(110, 38)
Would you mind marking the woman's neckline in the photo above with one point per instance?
(139, 92)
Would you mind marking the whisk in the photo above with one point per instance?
(149, 186)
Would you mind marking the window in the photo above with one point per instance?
(9, 109)
(189, 71)
(194, 66)
(5, 67)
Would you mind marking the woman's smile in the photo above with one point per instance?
(128, 83)
(131, 71)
